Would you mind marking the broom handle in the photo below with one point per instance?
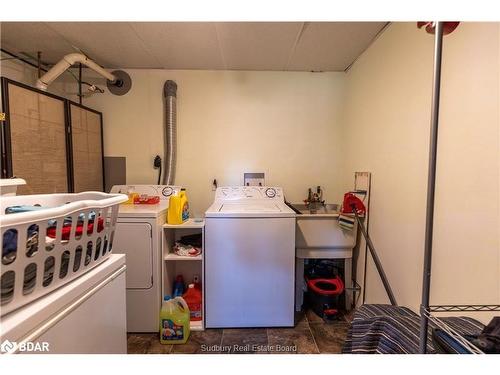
(376, 259)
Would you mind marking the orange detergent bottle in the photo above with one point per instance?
(193, 300)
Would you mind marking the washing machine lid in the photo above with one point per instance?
(250, 209)
(265, 207)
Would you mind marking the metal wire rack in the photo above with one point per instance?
(452, 332)
(425, 307)
(452, 308)
(466, 344)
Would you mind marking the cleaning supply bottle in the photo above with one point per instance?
(174, 321)
(131, 196)
(178, 208)
(178, 286)
(193, 300)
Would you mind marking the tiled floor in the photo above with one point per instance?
(310, 335)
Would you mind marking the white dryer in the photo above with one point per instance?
(249, 258)
(138, 235)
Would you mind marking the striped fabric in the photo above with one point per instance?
(347, 222)
(387, 329)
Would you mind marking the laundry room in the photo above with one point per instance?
(260, 187)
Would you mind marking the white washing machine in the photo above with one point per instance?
(249, 258)
(138, 235)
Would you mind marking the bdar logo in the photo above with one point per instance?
(7, 346)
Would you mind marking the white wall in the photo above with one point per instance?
(386, 131)
(282, 123)
(285, 124)
(499, 151)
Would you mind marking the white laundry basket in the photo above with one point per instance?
(44, 249)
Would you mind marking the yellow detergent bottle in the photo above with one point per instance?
(178, 208)
(174, 321)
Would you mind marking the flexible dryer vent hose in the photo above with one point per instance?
(170, 95)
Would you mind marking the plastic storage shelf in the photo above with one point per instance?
(47, 248)
(187, 266)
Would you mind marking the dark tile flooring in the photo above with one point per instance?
(310, 335)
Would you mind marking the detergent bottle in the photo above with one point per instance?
(193, 300)
(174, 321)
(178, 208)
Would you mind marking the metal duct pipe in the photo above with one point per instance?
(170, 139)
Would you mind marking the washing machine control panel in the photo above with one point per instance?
(249, 192)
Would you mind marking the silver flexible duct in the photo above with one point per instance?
(170, 95)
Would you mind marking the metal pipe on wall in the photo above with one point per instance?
(431, 187)
(170, 139)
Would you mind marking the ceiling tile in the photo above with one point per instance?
(111, 44)
(30, 37)
(332, 46)
(327, 46)
(257, 45)
(181, 45)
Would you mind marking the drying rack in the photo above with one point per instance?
(426, 310)
(428, 314)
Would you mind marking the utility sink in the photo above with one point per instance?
(319, 236)
(318, 231)
(320, 209)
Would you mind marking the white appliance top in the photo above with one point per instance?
(249, 201)
(11, 182)
(145, 210)
(20, 322)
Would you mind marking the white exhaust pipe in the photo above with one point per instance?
(67, 61)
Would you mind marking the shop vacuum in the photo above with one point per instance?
(324, 288)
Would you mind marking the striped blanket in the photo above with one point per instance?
(387, 329)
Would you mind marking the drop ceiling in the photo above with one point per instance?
(282, 46)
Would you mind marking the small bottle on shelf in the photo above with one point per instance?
(178, 286)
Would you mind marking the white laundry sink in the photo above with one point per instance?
(320, 233)
(319, 236)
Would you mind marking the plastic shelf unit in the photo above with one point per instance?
(187, 266)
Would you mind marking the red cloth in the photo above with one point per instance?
(51, 232)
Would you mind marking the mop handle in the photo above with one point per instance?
(376, 259)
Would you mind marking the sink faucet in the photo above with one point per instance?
(314, 199)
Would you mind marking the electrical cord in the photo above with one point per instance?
(157, 165)
(97, 88)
